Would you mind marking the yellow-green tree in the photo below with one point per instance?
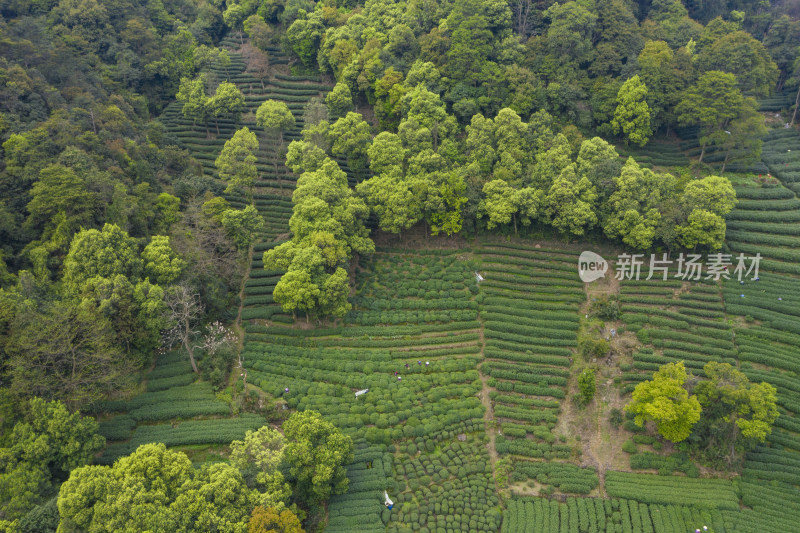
(632, 115)
(236, 162)
(737, 414)
(665, 401)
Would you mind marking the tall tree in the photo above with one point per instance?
(192, 93)
(104, 253)
(711, 103)
(737, 414)
(666, 401)
(41, 451)
(184, 310)
(276, 119)
(632, 116)
(65, 351)
(740, 54)
(228, 101)
(155, 489)
(236, 162)
(316, 453)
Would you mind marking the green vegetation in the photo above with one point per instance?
(179, 180)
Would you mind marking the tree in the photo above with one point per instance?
(192, 93)
(632, 211)
(64, 351)
(297, 292)
(184, 311)
(260, 34)
(242, 225)
(703, 228)
(40, 452)
(276, 119)
(710, 103)
(233, 17)
(104, 253)
(59, 190)
(213, 262)
(155, 489)
(743, 136)
(316, 453)
(228, 100)
(570, 202)
(665, 401)
(351, 139)
(712, 193)
(273, 520)
(632, 116)
(745, 57)
(257, 61)
(500, 203)
(236, 162)
(736, 413)
(160, 261)
(135, 312)
(392, 200)
(258, 457)
(587, 384)
(339, 100)
(599, 162)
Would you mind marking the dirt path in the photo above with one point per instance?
(488, 416)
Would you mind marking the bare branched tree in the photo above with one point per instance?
(185, 309)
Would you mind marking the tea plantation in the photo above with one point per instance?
(465, 356)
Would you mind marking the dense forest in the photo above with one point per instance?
(205, 205)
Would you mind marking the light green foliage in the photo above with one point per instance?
(296, 291)
(632, 116)
(665, 401)
(599, 162)
(228, 101)
(135, 310)
(449, 193)
(351, 139)
(710, 103)
(316, 453)
(392, 200)
(570, 203)
(386, 153)
(737, 414)
(167, 212)
(236, 162)
(242, 225)
(161, 264)
(105, 253)
(59, 190)
(304, 156)
(551, 162)
(40, 452)
(500, 203)
(305, 33)
(192, 93)
(703, 228)
(712, 193)
(339, 100)
(587, 384)
(275, 117)
(155, 489)
(633, 208)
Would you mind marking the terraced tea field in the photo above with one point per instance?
(455, 373)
